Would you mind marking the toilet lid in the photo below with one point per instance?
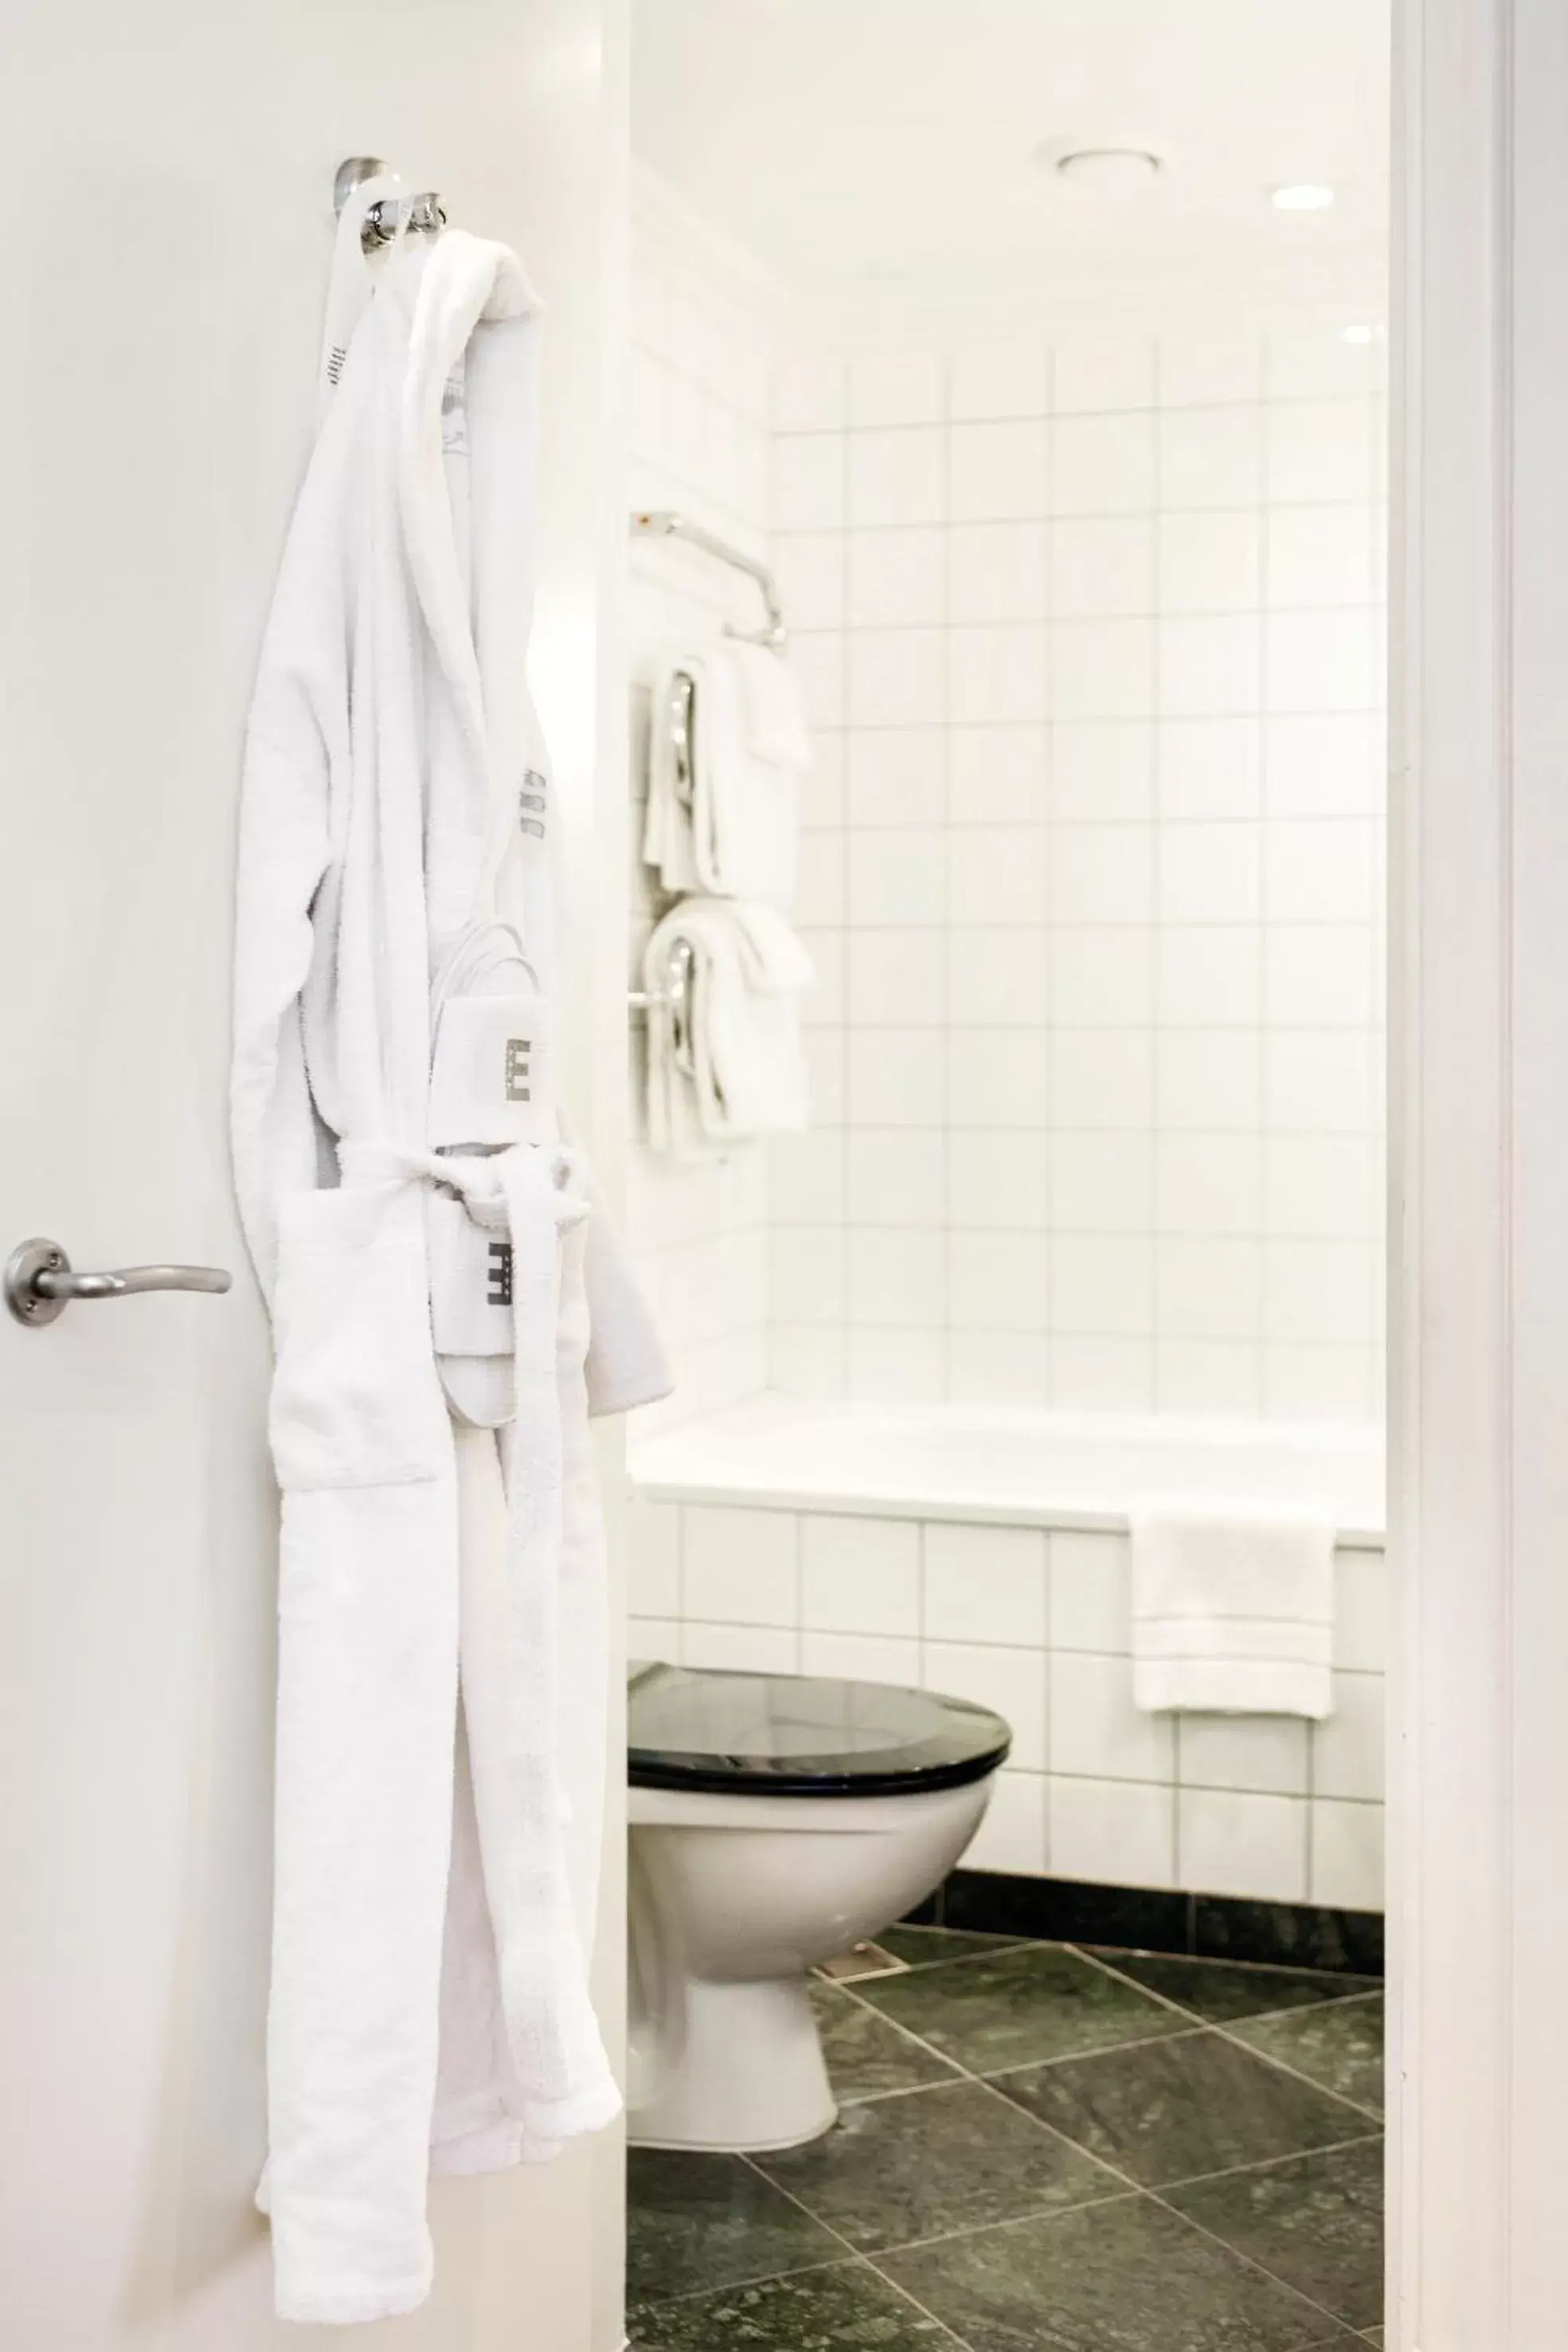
(801, 1736)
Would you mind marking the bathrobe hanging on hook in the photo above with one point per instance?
(446, 1308)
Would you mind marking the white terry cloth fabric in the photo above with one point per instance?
(436, 1861)
(729, 1064)
(724, 814)
(1232, 1614)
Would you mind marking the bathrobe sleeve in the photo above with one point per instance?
(297, 741)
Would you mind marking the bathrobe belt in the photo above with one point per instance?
(535, 1194)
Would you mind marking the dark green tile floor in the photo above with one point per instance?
(1039, 2147)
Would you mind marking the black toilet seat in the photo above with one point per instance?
(802, 1736)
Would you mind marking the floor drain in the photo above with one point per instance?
(861, 1960)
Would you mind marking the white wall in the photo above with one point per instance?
(703, 338)
(164, 296)
(1092, 634)
(1036, 1622)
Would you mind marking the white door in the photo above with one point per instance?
(169, 170)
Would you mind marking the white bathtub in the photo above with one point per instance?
(1015, 1467)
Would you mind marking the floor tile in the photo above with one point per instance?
(892, 2170)
(1015, 2007)
(1373, 2335)
(1316, 2221)
(1171, 2110)
(1124, 2277)
(1340, 2047)
(1219, 1990)
(708, 2221)
(865, 2054)
(847, 2307)
(920, 1946)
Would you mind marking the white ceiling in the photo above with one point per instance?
(877, 143)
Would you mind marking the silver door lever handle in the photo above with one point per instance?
(41, 1282)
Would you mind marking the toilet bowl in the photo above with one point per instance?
(776, 1820)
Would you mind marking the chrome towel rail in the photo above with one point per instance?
(661, 522)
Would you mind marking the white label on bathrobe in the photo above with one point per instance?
(491, 1076)
(470, 1282)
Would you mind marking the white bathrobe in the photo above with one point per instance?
(434, 1862)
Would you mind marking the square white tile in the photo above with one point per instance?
(997, 1182)
(1101, 768)
(862, 1657)
(1348, 1746)
(810, 395)
(1101, 1184)
(1209, 1290)
(1102, 873)
(1211, 561)
(896, 578)
(999, 775)
(998, 977)
(654, 1557)
(896, 776)
(998, 1078)
(896, 1077)
(1208, 1079)
(860, 1575)
(896, 1176)
(896, 877)
(896, 1275)
(808, 492)
(1012, 1836)
(1102, 1285)
(1010, 379)
(1209, 665)
(999, 1281)
(1102, 1078)
(1318, 450)
(1230, 1842)
(1263, 1753)
(1102, 465)
(1103, 669)
(1211, 456)
(997, 673)
(999, 471)
(897, 475)
(1011, 1683)
(895, 677)
(1090, 1592)
(896, 979)
(1112, 1833)
(1101, 974)
(999, 572)
(740, 1567)
(897, 388)
(1347, 1855)
(741, 1649)
(985, 1584)
(1208, 976)
(1101, 565)
(1097, 372)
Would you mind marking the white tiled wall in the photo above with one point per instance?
(698, 389)
(1035, 1625)
(1091, 635)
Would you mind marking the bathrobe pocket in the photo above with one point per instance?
(356, 1401)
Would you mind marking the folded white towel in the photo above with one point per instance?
(728, 1063)
(728, 748)
(1231, 1615)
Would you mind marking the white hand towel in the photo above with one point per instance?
(732, 1065)
(1231, 1615)
(723, 803)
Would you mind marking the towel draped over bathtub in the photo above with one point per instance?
(446, 1307)
(1232, 1612)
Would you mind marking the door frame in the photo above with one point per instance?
(1478, 1253)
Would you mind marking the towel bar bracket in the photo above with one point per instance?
(660, 522)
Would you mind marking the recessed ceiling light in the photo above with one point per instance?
(1304, 196)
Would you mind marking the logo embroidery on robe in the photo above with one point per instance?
(519, 1087)
(500, 1291)
(532, 796)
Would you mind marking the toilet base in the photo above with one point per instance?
(749, 2073)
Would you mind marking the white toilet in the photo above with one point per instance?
(776, 1821)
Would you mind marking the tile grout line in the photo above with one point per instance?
(861, 2260)
(1133, 2188)
(1356, 2107)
